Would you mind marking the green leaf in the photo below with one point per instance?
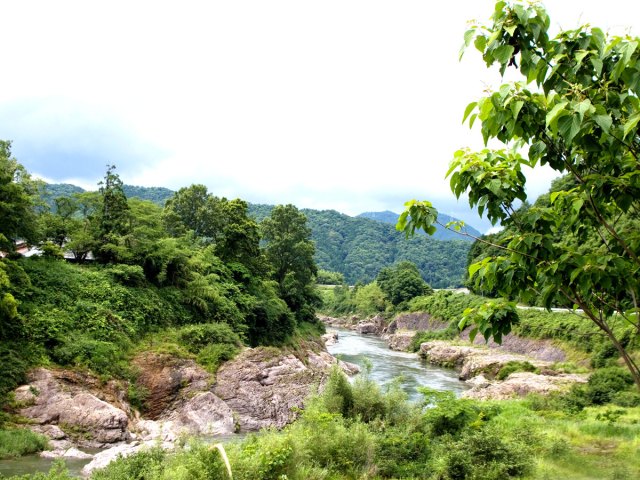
(468, 110)
(556, 112)
(631, 123)
(603, 121)
(503, 53)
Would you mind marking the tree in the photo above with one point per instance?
(577, 110)
(18, 194)
(290, 251)
(402, 282)
(114, 218)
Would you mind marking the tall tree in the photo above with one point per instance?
(113, 219)
(580, 117)
(18, 194)
(290, 251)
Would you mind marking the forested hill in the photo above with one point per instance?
(360, 247)
(441, 233)
(354, 246)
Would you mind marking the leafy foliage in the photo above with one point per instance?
(581, 119)
(402, 282)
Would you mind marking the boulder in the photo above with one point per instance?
(373, 326)
(90, 421)
(330, 338)
(265, 387)
(104, 458)
(400, 341)
(71, 452)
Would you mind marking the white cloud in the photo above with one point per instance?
(347, 105)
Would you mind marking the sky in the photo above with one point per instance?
(347, 105)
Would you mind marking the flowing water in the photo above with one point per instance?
(387, 365)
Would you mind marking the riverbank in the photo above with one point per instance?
(515, 368)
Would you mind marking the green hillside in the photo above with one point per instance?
(357, 247)
(360, 247)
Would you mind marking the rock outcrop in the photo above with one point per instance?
(400, 341)
(471, 360)
(265, 388)
(520, 384)
(538, 349)
(478, 366)
(414, 322)
(372, 326)
(51, 399)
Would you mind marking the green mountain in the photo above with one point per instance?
(360, 247)
(441, 233)
(357, 247)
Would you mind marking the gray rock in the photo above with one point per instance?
(204, 414)
(92, 421)
(71, 452)
(374, 326)
(265, 387)
(104, 458)
(330, 338)
(400, 341)
(520, 384)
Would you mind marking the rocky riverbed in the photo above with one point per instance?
(477, 363)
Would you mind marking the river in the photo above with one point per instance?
(387, 365)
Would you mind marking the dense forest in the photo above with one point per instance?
(357, 247)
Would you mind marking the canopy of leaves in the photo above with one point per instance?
(576, 109)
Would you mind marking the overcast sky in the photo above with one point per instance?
(347, 105)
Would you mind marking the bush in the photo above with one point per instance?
(196, 337)
(130, 275)
(18, 442)
(486, 455)
(214, 354)
(514, 366)
(626, 399)
(603, 384)
(102, 357)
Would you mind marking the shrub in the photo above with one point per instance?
(603, 384)
(196, 337)
(337, 396)
(485, 454)
(626, 399)
(214, 354)
(18, 442)
(514, 366)
(130, 275)
(102, 357)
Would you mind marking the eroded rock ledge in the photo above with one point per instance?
(479, 366)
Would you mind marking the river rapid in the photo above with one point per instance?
(387, 365)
